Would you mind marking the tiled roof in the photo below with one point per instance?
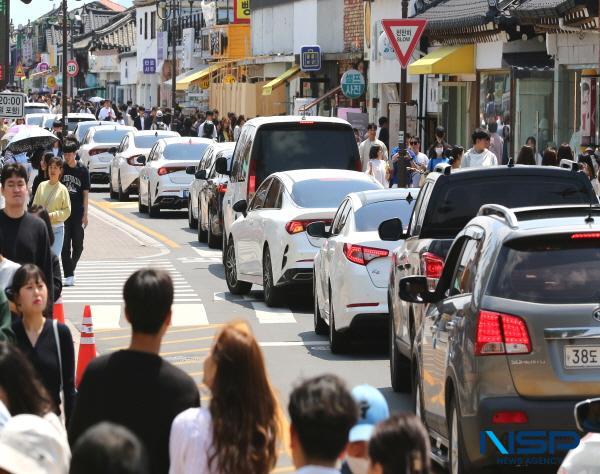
(120, 34)
(447, 14)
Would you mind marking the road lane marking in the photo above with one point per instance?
(185, 351)
(266, 315)
(293, 343)
(164, 239)
(191, 339)
(188, 314)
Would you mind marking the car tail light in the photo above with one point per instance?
(510, 417)
(132, 160)
(432, 265)
(222, 188)
(499, 333)
(163, 170)
(251, 179)
(363, 255)
(297, 226)
(97, 151)
(586, 235)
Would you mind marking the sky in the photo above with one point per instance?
(21, 12)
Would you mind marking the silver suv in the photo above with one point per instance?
(510, 340)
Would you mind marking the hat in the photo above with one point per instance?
(373, 409)
(30, 444)
(57, 123)
(159, 113)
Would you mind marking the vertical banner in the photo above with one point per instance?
(241, 11)
(588, 110)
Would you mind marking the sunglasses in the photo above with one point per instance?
(413, 143)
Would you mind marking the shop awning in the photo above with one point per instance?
(446, 60)
(182, 83)
(269, 86)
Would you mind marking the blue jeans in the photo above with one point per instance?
(59, 237)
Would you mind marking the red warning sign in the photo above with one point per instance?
(404, 35)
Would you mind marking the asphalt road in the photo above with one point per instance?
(120, 240)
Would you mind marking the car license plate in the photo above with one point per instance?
(582, 357)
(185, 193)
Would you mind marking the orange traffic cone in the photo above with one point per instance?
(87, 345)
(58, 311)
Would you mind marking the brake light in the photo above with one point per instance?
(221, 188)
(306, 122)
(163, 170)
(510, 417)
(499, 333)
(363, 255)
(97, 151)
(132, 160)
(251, 178)
(432, 265)
(297, 226)
(586, 235)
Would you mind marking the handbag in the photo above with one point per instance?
(62, 387)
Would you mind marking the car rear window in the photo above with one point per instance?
(109, 136)
(35, 121)
(369, 217)
(147, 141)
(552, 270)
(185, 151)
(328, 192)
(36, 110)
(459, 201)
(73, 122)
(285, 147)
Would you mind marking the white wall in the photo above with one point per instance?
(273, 30)
(146, 49)
(330, 26)
(575, 49)
(305, 23)
(128, 70)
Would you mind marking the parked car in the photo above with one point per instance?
(83, 127)
(267, 245)
(164, 183)
(35, 119)
(124, 170)
(447, 201)
(36, 108)
(509, 337)
(75, 118)
(97, 148)
(351, 269)
(270, 144)
(48, 121)
(200, 211)
(584, 458)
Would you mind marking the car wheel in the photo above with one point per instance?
(224, 247)
(111, 191)
(192, 223)
(318, 321)
(202, 234)
(337, 341)
(141, 208)
(213, 239)
(399, 365)
(122, 195)
(235, 286)
(153, 211)
(272, 293)
(456, 450)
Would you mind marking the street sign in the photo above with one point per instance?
(229, 79)
(72, 68)
(310, 58)
(42, 67)
(353, 84)
(51, 82)
(12, 105)
(404, 36)
(150, 66)
(205, 83)
(20, 71)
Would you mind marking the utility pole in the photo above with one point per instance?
(402, 134)
(64, 62)
(4, 42)
(173, 66)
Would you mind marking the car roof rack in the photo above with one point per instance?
(443, 168)
(569, 164)
(500, 211)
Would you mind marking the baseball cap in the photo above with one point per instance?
(30, 444)
(373, 409)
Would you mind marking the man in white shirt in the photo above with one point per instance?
(365, 146)
(106, 112)
(322, 412)
(479, 156)
(209, 119)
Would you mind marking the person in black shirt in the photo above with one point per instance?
(136, 388)
(76, 178)
(384, 131)
(23, 237)
(36, 337)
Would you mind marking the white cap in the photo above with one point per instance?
(30, 444)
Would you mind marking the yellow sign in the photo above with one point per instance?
(229, 79)
(51, 82)
(205, 83)
(242, 11)
(19, 72)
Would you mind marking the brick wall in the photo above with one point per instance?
(353, 25)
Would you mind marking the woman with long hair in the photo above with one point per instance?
(585, 161)
(549, 157)
(241, 430)
(456, 154)
(47, 344)
(42, 213)
(564, 152)
(526, 156)
(378, 166)
(241, 120)
(225, 132)
(532, 142)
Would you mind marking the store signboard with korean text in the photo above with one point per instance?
(241, 11)
(353, 84)
(12, 105)
(310, 58)
(149, 66)
(404, 35)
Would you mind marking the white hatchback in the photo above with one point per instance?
(124, 171)
(267, 245)
(97, 147)
(164, 183)
(352, 267)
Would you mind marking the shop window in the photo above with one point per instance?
(454, 112)
(494, 97)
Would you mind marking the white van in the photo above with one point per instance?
(271, 144)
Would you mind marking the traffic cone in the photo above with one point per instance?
(58, 311)
(87, 345)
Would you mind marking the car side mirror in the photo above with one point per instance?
(391, 230)
(317, 229)
(221, 166)
(190, 170)
(201, 174)
(415, 289)
(141, 160)
(241, 206)
(587, 416)
(113, 150)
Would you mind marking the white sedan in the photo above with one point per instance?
(125, 166)
(164, 183)
(352, 267)
(267, 245)
(83, 127)
(97, 147)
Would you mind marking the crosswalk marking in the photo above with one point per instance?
(266, 315)
(188, 315)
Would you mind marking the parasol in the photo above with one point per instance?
(30, 138)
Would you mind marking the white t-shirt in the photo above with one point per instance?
(377, 169)
(472, 159)
(190, 442)
(365, 147)
(106, 113)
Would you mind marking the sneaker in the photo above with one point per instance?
(69, 281)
